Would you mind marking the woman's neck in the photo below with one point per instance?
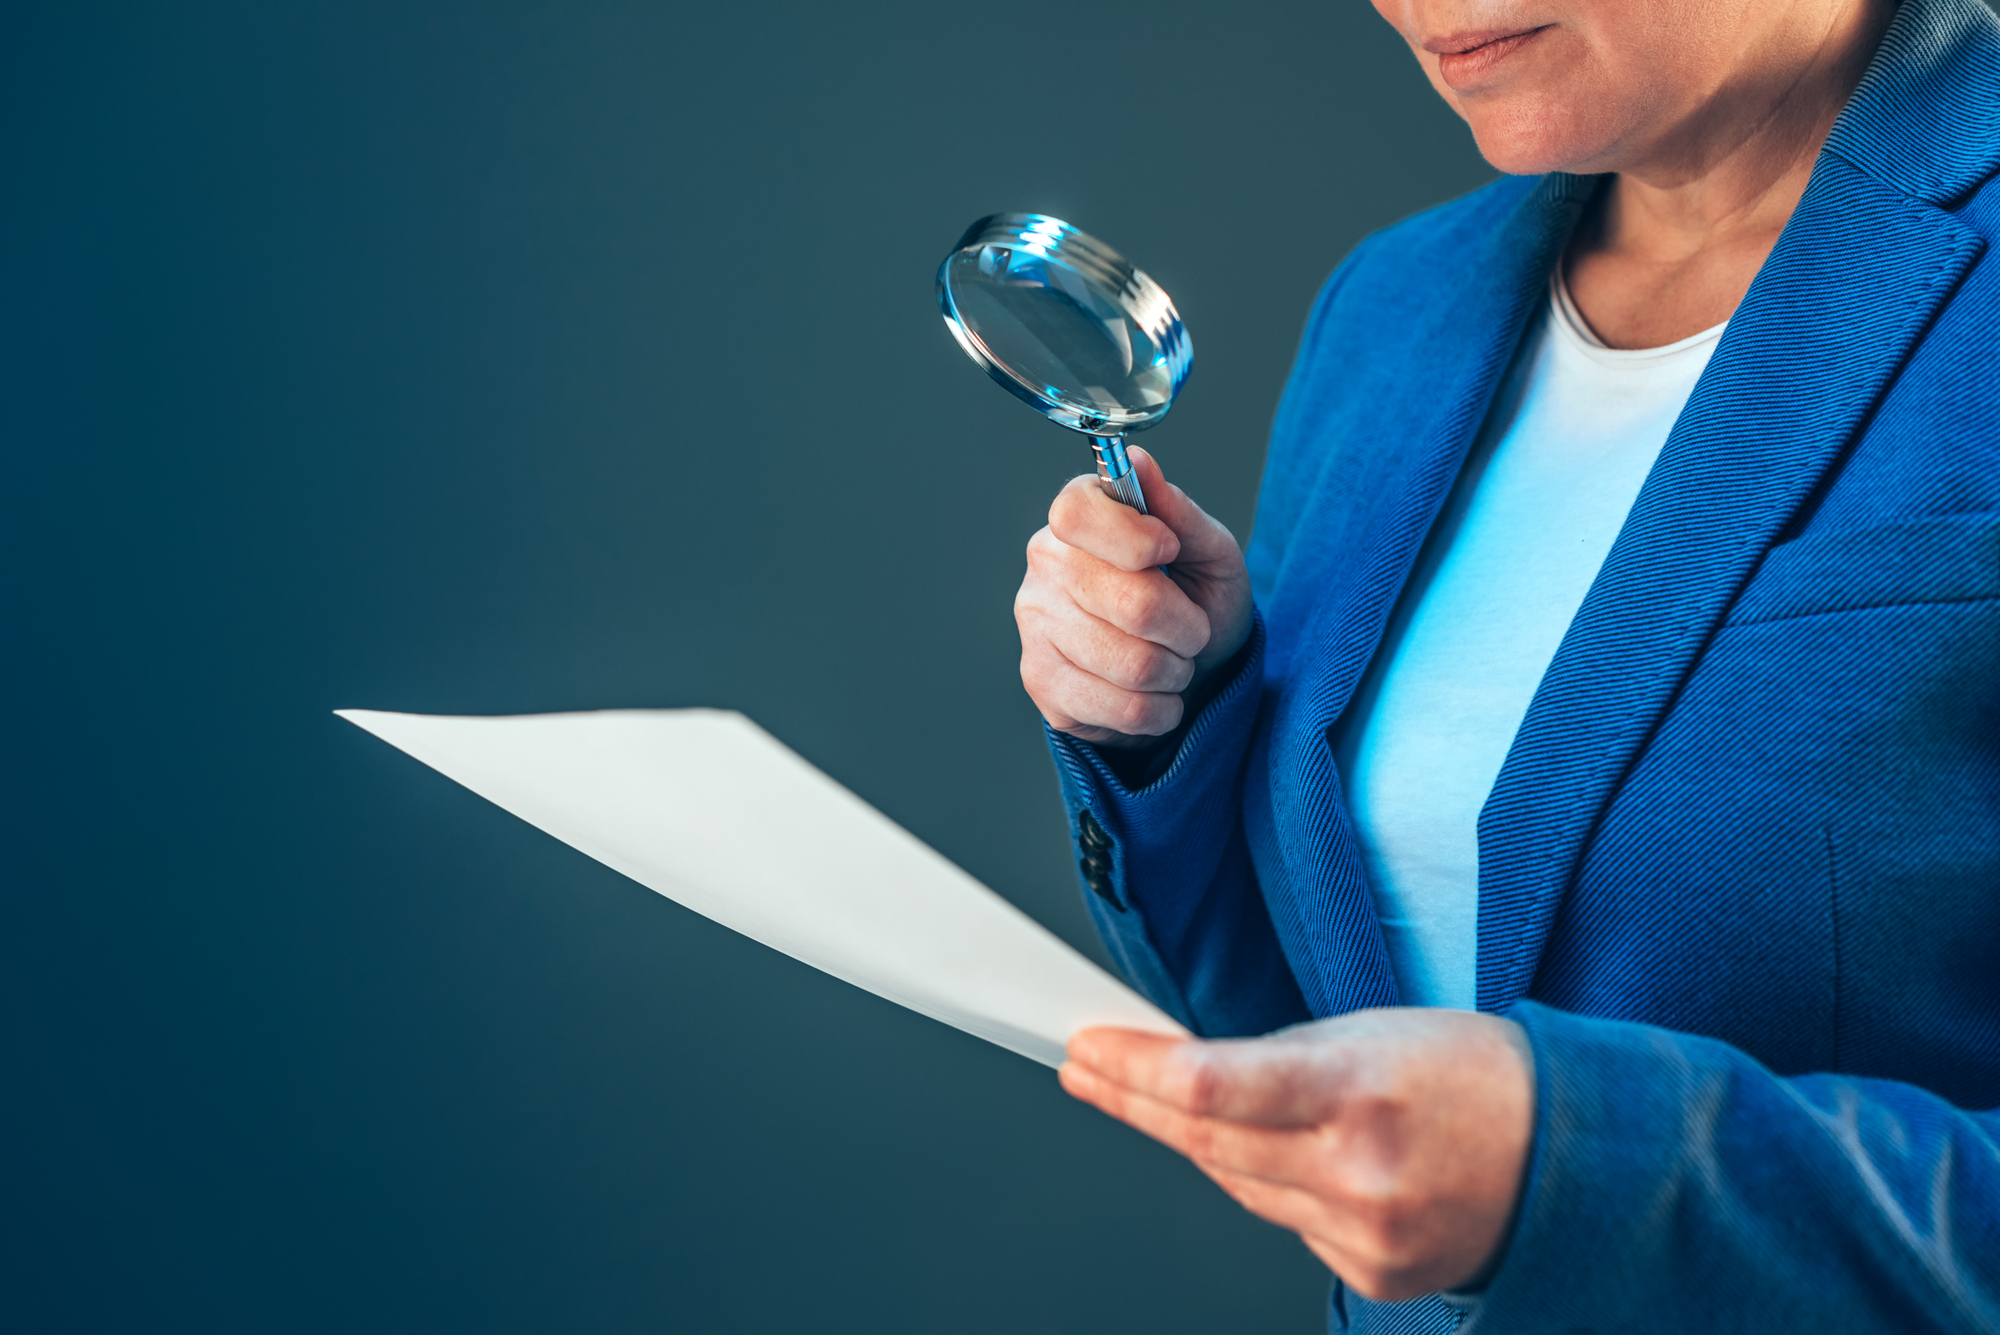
(1677, 236)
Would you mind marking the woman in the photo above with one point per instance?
(1605, 726)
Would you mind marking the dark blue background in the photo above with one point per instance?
(503, 357)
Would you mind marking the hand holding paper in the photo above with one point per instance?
(711, 811)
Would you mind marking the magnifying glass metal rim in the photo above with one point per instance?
(1142, 299)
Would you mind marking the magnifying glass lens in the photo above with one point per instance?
(1066, 324)
(1064, 333)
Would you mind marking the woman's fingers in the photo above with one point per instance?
(1071, 698)
(1203, 540)
(1393, 1140)
(1267, 1081)
(1099, 648)
(1279, 1156)
(1121, 661)
(1143, 603)
(1084, 516)
(1129, 1058)
(1104, 648)
(1105, 632)
(1174, 531)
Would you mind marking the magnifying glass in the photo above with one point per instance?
(1067, 325)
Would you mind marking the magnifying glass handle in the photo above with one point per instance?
(1114, 472)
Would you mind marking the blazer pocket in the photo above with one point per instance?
(1949, 559)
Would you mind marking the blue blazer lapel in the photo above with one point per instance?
(1853, 282)
(1520, 257)
(1321, 904)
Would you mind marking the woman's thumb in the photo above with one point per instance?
(1202, 538)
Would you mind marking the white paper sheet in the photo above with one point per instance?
(713, 812)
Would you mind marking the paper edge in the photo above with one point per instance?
(1020, 1042)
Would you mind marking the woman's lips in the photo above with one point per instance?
(1464, 61)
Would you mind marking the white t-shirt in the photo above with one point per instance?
(1571, 436)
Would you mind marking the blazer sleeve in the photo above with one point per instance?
(1178, 903)
(1678, 1185)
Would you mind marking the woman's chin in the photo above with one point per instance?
(1532, 141)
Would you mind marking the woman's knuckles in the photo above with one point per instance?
(1040, 682)
(1141, 715)
(1142, 605)
(1129, 604)
(1116, 534)
(1070, 698)
(1049, 556)
(1140, 665)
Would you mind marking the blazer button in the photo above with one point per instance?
(1089, 833)
(1095, 865)
(1097, 876)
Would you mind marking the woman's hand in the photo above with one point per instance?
(1110, 642)
(1392, 1141)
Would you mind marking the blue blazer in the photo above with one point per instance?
(1739, 877)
